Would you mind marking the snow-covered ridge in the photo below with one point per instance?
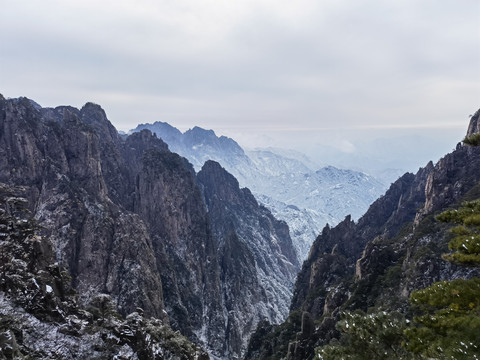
(288, 183)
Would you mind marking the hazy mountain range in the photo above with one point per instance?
(112, 246)
(291, 185)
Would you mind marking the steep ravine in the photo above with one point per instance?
(305, 196)
(258, 261)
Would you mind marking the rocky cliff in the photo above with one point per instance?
(258, 261)
(40, 316)
(58, 158)
(285, 182)
(374, 264)
(474, 126)
(130, 219)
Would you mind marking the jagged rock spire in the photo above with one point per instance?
(474, 126)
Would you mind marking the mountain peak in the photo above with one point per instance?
(197, 144)
(94, 116)
(225, 184)
(199, 135)
(93, 112)
(198, 129)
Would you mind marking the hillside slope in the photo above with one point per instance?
(374, 265)
(129, 218)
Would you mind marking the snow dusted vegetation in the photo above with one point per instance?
(295, 188)
(41, 317)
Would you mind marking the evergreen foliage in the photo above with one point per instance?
(376, 336)
(276, 336)
(473, 140)
(449, 324)
(466, 243)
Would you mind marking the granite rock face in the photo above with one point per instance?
(376, 263)
(344, 243)
(258, 261)
(40, 316)
(58, 158)
(304, 194)
(130, 219)
(453, 176)
(474, 126)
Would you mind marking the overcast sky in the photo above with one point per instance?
(261, 71)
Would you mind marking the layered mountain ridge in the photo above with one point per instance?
(290, 185)
(131, 219)
(140, 233)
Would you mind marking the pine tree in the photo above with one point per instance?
(472, 140)
(376, 336)
(466, 244)
(449, 327)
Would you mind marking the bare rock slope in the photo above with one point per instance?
(131, 219)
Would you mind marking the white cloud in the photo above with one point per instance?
(272, 66)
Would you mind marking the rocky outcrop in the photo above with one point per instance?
(394, 248)
(453, 176)
(341, 246)
(258, 261)
(40, 317)
(58, 158)
(171, 204)
(474, 126)
(131, 219)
